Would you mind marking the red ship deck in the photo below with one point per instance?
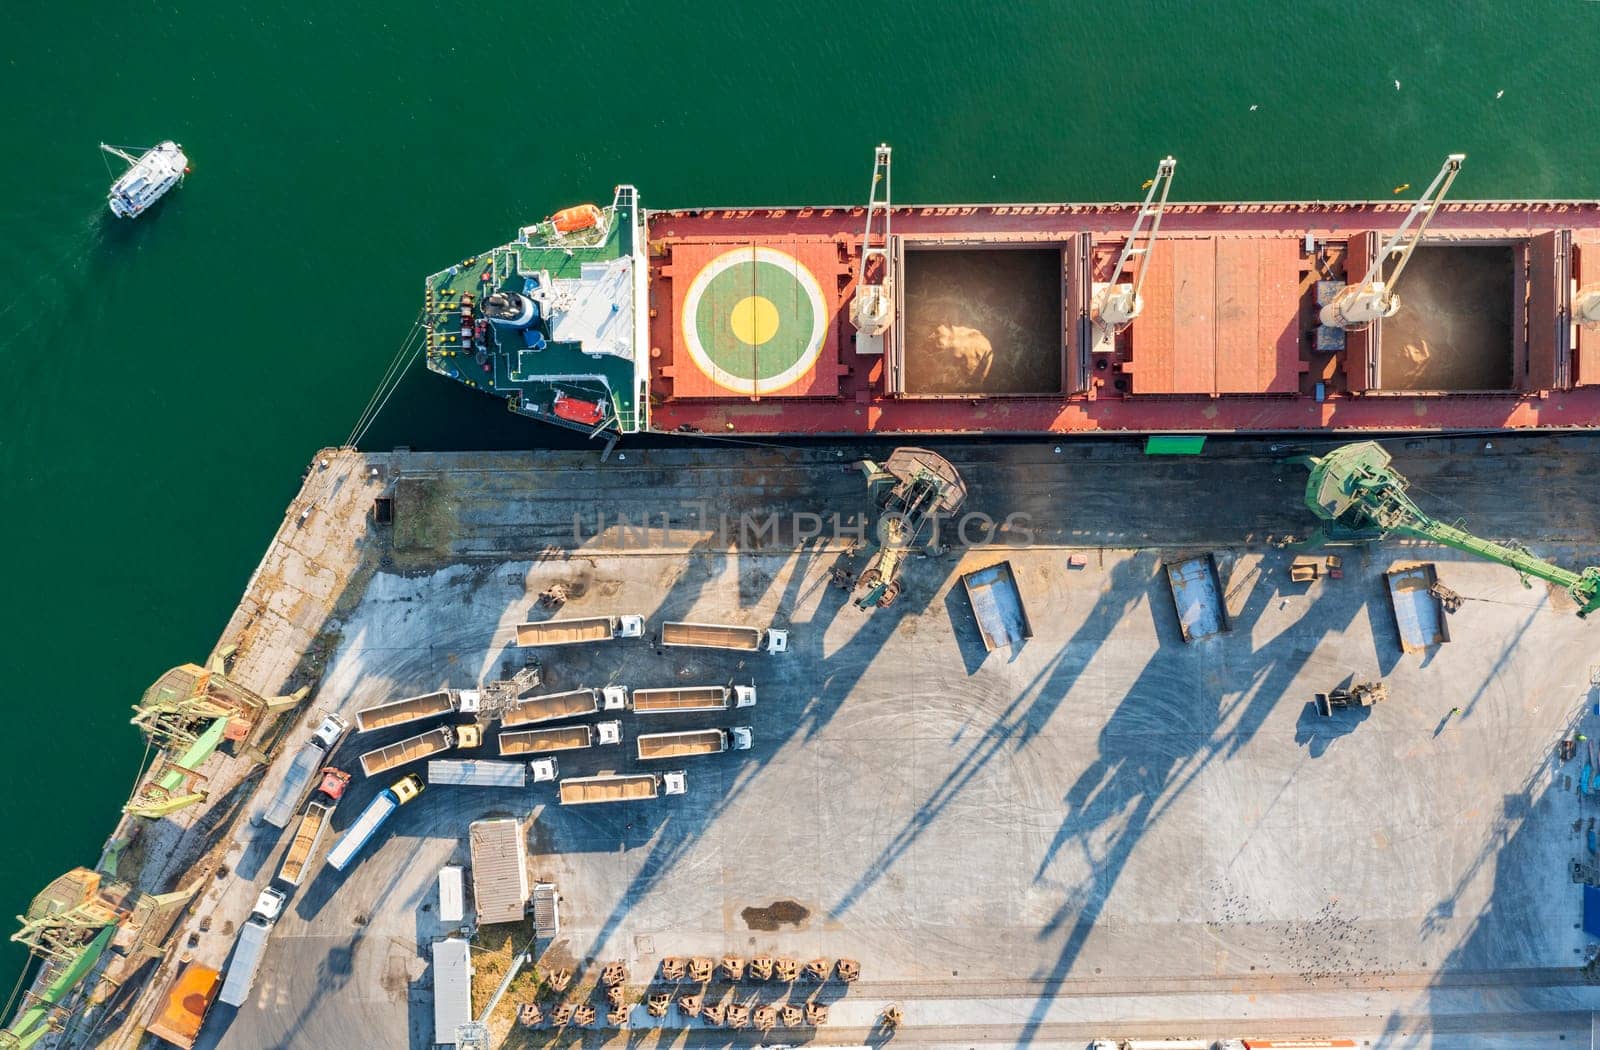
(750, 331)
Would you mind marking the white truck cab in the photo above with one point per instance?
(614, 697)
(675, 783)
(742, 737)
(330, 731)
(777, 641)
(630, 627)
(744, 696)
(270, 904)
(609, 732)
(544, 769)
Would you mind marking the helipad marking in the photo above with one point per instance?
(754, 320)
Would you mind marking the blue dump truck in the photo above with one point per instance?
(372, 818)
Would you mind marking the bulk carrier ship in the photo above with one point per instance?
(1152, 317)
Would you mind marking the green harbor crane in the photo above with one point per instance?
(1358, 495)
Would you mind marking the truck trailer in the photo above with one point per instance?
(302, 770)
(559, 738)
(693, 742)
(477, 773)
(579, 631)
(683, 699)
(313, 822)
(423, 745)
(418, 708)
(378, 811)
(184, 1011)
(252, 945)
(723, 636)
(574, 703)
(622, 787)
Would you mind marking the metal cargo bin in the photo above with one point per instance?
(1418, 613)
(1197, 597)
(997, 605)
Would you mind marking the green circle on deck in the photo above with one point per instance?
(754, 320)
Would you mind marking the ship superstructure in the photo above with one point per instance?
(1037, 318)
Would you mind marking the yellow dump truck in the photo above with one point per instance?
(723, 636)
(574, 703)
(423, 745)
(580, 630)
(683, 699)
(625, 787)
(558, 738)
(417, 708)
(693, 742)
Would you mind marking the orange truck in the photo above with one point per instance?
(190, 996)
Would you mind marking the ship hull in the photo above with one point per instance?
(738, 322)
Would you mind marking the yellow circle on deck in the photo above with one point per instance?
(754, 319)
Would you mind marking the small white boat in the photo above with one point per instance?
(149, 176)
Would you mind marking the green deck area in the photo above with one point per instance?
(501, 364)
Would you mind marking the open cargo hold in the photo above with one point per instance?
(547, 708)
(682, 745)
(184, 1009)
(997, 606)
(1197, 596)
(580, 630)
(411, 709)
(537, 741)
(411, 749)
(1418, 613)
(304, 846)
(477, 773)
(984, 322)
(613, 788)
(691, 698)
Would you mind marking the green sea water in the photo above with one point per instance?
(166, 381)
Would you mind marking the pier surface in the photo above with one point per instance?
(1103, 832)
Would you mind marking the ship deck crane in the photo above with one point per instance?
(1359, 495)
(1116, 303)
(872, 309)
(1374, 298)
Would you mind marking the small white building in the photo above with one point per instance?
(452, 988)
(452, 894)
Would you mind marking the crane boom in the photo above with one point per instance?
(1116, 304)
(1358, 305)
(1357, 492)
(872, 309)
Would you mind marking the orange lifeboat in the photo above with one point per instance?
(577, 410)
(578, 217)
